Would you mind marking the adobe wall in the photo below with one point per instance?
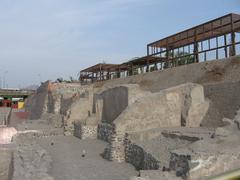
(115, 100)
(77, 108)
(183, 105)
(211, 74)
(225, 102)
(5, 114)
(61, 103)
(37, 103)
(225, 70)
(180, 106)
(110, 102)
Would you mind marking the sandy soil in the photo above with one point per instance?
(68, 164)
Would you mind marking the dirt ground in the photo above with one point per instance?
(68, 163)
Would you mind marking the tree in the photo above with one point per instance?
(184, 58)
(181, 58)
(59, 80)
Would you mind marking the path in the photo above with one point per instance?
(69, 165)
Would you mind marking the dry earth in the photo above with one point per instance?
(68, 163)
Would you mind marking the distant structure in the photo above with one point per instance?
(214, 39)
(14, 98)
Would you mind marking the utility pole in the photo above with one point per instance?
(3, 81)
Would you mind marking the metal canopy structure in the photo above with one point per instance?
(198, 40)
(101, 71)
(217, 27)
(141, 61)
(211, 40)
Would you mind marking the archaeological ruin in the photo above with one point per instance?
(172, 114)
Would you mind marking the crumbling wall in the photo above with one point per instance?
(77, 108)
(61, 103)
(5, 115)
(115, 100)
(139, 158)
(183, 105)
(204, 73)
(225, 101)
(225, 70)
(37, 103)
(104, 131)
(209, 157)
(110, 102)
(84, 131)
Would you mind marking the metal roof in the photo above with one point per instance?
(210, 29)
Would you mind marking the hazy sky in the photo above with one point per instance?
(47, 39)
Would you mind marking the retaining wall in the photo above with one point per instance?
(104, 131)
(139, 158)
(83, 131)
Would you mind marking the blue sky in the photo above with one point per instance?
(47, 39)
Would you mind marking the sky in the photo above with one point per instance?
(47, 39)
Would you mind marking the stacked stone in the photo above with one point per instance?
(117, 148)
(89, 132)
(180, 164)
(83, 131)
(104, 131)
(106, 153)
(139, 158)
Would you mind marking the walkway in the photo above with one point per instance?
(68, 164)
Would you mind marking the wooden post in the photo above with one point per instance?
(196, 58)
(147, 70)
(167, 58)
(233, 53)
(233, 49)
(225, 45)
(217, 48)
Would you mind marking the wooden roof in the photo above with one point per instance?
(100, 67)
(210, 29)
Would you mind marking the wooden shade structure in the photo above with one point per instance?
(178, 49)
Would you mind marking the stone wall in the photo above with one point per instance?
(115, 150)
(121, 149)
(104, 131)
(84, 131)
(180, 164)
(139, 158)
